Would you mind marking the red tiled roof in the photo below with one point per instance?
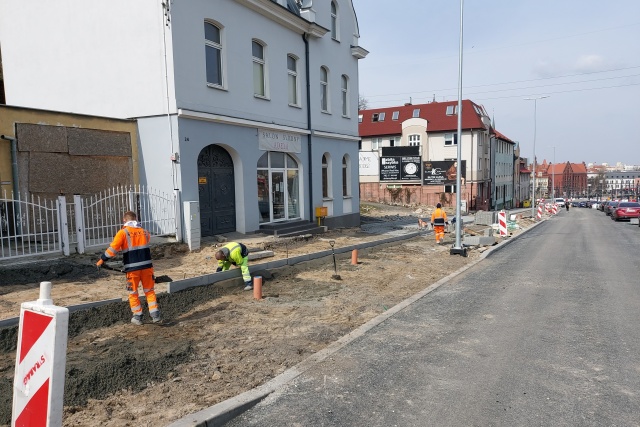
(556, 168)
(502, 137)
(524, 170)
(578, 168)
(435, 113)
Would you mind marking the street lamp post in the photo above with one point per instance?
(458, 249)
(553, 177)
(535, 112)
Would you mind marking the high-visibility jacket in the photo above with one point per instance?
(234, 253)
(439, 217)
(133, 242)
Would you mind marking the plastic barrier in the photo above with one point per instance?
(38, 386)
(539, 215)
(502, 223)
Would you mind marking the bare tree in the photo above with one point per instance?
(363, 103)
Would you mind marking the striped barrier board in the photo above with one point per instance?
(38, 386)
(502, 223)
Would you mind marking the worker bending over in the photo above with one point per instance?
(438, 221)
(133, 241)
(238, 255)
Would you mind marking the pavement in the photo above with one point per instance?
(300, 391)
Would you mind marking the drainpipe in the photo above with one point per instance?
(305, 38)
(14, 162)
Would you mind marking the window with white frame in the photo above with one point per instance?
(213, 54)
(451, 110)
(359, 118)
(375, 143)
(345, 95)
(449, 188)
(414, 140)
(259, 69)
(395, 115)
(324, 89)
(334, 21)
(326, 176)
(346, 176)
(450, 138)
(394, 141)
(292, 77)
(416, 113)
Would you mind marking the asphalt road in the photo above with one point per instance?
(545, 332)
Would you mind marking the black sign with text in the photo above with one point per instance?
(400, 168)
(442, 172)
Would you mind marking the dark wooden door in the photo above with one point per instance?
(216, 187)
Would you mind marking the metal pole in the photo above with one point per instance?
(458, 249)
(535, 113)
(553, 178)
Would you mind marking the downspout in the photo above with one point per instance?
(14, 162)
(305, 38)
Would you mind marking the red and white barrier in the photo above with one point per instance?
(554, 209)
(38, 385)
(539, 215)
(502, 223)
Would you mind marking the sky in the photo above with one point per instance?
(583, 54)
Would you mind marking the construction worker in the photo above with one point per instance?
(238, 255)
(133, 241)
(438, 221)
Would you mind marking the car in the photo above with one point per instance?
(625, 210)
(583, 205)
(603, 205)
(612, 204)
(559, 201)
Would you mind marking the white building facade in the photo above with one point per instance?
(246, 107)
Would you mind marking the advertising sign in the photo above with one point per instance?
(272, 140)
(400, 168)
(442, 172)
(369, 164)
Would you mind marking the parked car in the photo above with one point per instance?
(583, 205)
(611, 205)
(559, 201)
(603, 206)
(626, 210)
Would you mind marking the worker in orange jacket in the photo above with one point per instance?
(133, 241)
(438, 221)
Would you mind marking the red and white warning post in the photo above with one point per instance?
(38, 386)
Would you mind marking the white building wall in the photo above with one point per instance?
(85, 57)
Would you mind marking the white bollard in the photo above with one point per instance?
(38, 385)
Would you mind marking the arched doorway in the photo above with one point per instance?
(216, 190)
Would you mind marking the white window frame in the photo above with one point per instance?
(395, 115)
(394, 141)
(335, 22)
(219, 46)
(346, 176)
(450, 110)
(415, 140)
(359, 118)
(376, 143)
(416, 113)
(450, 139)
(325, 93)
(262, 64)
(293, 74)
(450, 188)
(345, 95)
(327, 192)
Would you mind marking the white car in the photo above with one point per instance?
(559, 201)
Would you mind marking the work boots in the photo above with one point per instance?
(137, 319)
(155, 316)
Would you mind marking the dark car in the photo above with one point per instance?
(625, 210)
(602, 205)
(611, 205)
(582, 204)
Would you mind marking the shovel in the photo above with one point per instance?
(335, 276)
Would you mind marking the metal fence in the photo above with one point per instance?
(34, 226)
(28, 226)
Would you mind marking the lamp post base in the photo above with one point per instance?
(458, 251)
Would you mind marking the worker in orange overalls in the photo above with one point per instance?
(438, 221)
(133, 241)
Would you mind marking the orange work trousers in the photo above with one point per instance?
(148, 283)
(439, 232)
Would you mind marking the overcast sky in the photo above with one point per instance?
(583, 54)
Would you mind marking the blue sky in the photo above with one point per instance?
(583, 54)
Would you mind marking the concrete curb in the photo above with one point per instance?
(227, 410)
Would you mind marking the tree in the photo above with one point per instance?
(363, 103)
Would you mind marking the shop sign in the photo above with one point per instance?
(271, 140)
(369, 164)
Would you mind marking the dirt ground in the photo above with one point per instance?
(217, 341)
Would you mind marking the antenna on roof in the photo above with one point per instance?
(434, 97)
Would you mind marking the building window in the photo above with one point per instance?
(359, 118)
(375, 143)
(324, 89)
(292, 77)
(278, 187)
(416, 113)
(326, 176)
(449, 188)
(259, 69)
(449, 110)
(394, 142)
(334, 21)
(414, 140)
(378, 117)
(395, 115)
(450, 138)
(345, 96)
(346, 181)
(213, 54)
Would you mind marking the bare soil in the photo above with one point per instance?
(217, 341)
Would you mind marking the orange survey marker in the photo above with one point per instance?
(257, 287)
(354, 257)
